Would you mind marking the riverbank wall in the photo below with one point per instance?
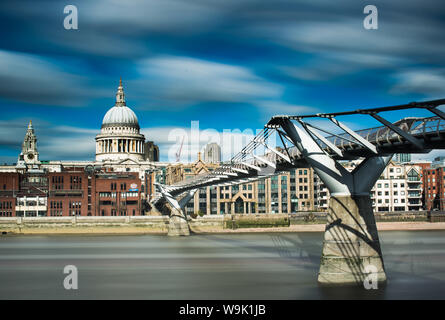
(308, 221)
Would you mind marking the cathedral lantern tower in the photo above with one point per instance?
(119, 137)
(29, 154)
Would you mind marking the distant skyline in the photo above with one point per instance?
(227, 64)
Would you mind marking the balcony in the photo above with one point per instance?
(414, 186)
(414, 195)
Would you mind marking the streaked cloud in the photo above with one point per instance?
(428, 82)
(229, 64)
(187, 80)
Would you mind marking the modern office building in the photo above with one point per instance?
(402, 157)
(284, 193)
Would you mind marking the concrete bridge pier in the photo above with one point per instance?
(351, 247)
(178, 223)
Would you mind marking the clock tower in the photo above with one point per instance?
(29, 154)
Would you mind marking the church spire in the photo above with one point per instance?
(29, 153)
(120, 96)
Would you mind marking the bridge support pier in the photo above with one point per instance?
(178, 225)
(178, 222)
(351, 246)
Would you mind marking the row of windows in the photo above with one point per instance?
(55, 213)
(107, 194)
(59, 204)
(129, 194)
(5, 213)
(114, 194)
(57, 179)
(114, 186)
(434, 195)
(122, 203)
(6, 205)
(122, 212)
(396, 193)
(75, 204)
(55, 204)
(395, 185)
(76, 212)
(75, 179)
(395, 201)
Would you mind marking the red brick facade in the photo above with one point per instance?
(9, 186)
(433, 182)
(71, 192)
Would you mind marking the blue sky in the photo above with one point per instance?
(228, 64)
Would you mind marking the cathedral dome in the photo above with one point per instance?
(120, 114)
(119, 138)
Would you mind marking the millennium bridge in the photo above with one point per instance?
(351, 247)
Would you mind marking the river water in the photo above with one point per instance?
(223, 266)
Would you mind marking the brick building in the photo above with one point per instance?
(71, 192)
(117, 194)
(434, 191)
(9, 186)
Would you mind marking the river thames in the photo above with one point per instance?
(220, 266)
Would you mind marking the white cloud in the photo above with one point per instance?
(428, 82)
(192, 80)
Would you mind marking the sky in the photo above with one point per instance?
(220, 65)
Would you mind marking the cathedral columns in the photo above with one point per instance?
(120, 146)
